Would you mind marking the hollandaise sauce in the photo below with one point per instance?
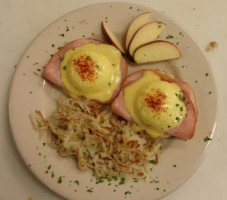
(155, 105)
(91, 71)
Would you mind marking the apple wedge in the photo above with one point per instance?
(112, 38)
(147, 33)
(136, 23)
(155, 51)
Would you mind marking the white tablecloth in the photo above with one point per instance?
(22, 20)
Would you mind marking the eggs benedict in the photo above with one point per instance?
(88, 68)
(157, 104)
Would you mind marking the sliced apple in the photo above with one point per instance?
(136, 23)
(158, 50)
(147, 33)
(112, 38)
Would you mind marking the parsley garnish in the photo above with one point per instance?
(153, 162)
(127, 192)
(60, 179)
(122, 181)
(169, 37)
(206, 139)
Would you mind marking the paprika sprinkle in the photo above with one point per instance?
(156, 100)
(85, 67)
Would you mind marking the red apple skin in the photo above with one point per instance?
(127, 41)
(111, 40)
(149, 23)
(157, 41)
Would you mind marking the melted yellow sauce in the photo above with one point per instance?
(91, 71)
(155, 105)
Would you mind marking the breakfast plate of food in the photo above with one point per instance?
(113, 100)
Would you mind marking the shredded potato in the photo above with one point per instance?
(97, 138)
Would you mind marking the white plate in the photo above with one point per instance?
(29, 92)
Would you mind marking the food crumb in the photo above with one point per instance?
(212, 45)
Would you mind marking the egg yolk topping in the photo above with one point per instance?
(155, 105)
(91, 71)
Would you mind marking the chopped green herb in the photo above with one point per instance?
(115, 178)
(154, 181)
(44, 144)
(174, 165)
(179, 96)
(90, 190)
(180, 33)
(178, 119)
(49, 167)
(52, 174)
(153, 162)
(100, 180)
(206, 74)
(108, 178)
(181, 109)
(64, 67)
(177, 43)
(127, 192)
(159, 26)
(60, 179)
(169, 37)
(88, 57)
(206, 139)
(61, 58)
(169, 126)
(59, 48)
(130, 7)
(62, 34)
(135, 180)
(122, 181)
(67, 28)
(52, 45)
(77, 182)
(177, 105)
(109, 84)
(210, 92)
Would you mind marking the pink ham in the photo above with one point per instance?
(187, 128)
(52, 70)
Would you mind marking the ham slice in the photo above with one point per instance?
(52, 70)
(187, 127)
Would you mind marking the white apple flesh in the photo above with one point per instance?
(158, 50)
(112, 38)
(136, 23)
(147, 33)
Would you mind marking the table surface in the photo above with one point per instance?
(21, 21)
